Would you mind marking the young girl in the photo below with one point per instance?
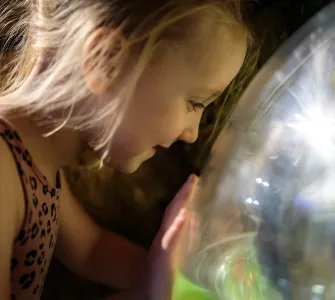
(119, 78)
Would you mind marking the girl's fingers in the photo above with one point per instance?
(184, 193)
(175, 216)
(179, 201)
(173, 231)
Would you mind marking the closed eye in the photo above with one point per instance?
(195, 106)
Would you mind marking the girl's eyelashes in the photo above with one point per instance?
(195, 106)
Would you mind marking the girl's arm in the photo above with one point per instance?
(91, 251)
(110, 259)
(155, 281)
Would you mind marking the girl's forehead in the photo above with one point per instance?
(211, 61)
(203, 50)
(216, 44)
(216, 58)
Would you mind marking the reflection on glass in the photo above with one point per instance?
(266, 202)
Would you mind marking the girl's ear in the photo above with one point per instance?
(102, 52)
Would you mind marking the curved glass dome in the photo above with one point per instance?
(266, 201)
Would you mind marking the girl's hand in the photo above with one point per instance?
(156, 280)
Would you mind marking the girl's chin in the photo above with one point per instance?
(126, 164)
(128, 167)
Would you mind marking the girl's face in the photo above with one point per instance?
(171, 95)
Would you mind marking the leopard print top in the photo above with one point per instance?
(33, 247)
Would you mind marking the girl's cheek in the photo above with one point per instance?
(175, 128)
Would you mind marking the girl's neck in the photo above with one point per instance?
(49, 153)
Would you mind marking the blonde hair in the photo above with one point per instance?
(53, 37)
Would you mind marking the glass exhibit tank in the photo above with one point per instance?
(266, 200)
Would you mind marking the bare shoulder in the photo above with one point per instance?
(11, 213)
(11, 193)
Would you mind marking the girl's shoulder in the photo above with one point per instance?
(10, 196)
(12, 203)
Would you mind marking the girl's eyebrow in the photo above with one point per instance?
(214, 95)
(207, 99)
